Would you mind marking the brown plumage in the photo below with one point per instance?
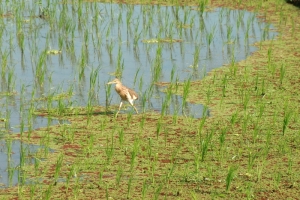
(125, 93)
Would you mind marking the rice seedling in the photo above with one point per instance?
(277, 179)
(36, 165)
(10, 172)
(256, 131)
(222, 138)
(262, 107)
(197, 160)
(142, 123)
(245, 122)
(282, 73)
(120, 64)
(202, 4)
(4, 63)
(134, 153)
(48, 192)
(175, 115)
(186, 88)
(32, 191)
(121, 137)
(7, 120)
(106, 192)
(286, 118)
(144, 189)
(157, 68)
(210, 36)
(205, 144)
(109, 150)
(229, 33)
(234, 118)
(58, 166)
(251, 158)
(196, 57)
(157, 191)
(230, 176)
(290, 167)
(100, 176)
(153, 166)
(22, 157)
(158, 127)
(233, 67)
(129, 186)
(8, 148)
(21, 178)
(119, 175)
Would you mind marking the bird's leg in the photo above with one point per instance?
(119, 108)
(135, 109)
(131, 103)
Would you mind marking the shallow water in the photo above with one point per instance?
(9, 165)
(9, 172)
(106, 40)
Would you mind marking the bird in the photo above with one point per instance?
(125, 93)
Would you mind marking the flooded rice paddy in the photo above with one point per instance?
(63, 54)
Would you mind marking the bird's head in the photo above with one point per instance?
(115, 81)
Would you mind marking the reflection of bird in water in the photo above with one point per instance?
(125, 93)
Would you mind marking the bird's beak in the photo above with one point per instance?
(108, 83)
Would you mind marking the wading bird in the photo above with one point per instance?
(125, 93)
